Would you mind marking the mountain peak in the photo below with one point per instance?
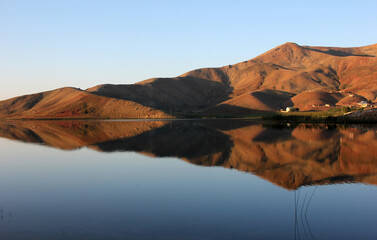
(290, 44)
(289, 52)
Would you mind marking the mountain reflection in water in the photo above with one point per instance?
(289, 156)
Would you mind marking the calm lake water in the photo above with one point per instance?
(219, 179)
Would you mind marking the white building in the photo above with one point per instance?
(363, 104)
(291, 109)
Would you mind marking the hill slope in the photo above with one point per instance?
(287, 75)
(73, 103)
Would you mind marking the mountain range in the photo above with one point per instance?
(288, 75)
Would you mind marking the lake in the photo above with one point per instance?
(187, 179)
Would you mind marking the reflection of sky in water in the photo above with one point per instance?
(54, 194)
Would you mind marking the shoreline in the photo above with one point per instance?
(272, 120)
(334, 115)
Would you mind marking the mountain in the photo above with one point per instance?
(288, 156)
(288, 75)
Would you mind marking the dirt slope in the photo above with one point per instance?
(74, 103)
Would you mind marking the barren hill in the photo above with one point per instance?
(288, 75)
(74, 103)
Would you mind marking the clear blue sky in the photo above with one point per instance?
(50, 44)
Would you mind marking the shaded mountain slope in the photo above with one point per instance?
(351, 99)
(311, 99)
(178, 94)
(262, 100)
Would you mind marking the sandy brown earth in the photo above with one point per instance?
(288, 75)
(288, 156)
(74, 103)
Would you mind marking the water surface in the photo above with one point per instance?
(233, 179)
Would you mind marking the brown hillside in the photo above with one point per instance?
(309, 100)
(268, 81)
(350, 100)
(179, 94)
(262, 100)
(73, 103)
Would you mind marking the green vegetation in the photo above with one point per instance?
(332, 115)
(255, 115)
(320, 117)
(345, 109)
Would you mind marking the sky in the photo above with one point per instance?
(48, 44)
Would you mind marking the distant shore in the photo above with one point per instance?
(333, 115)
